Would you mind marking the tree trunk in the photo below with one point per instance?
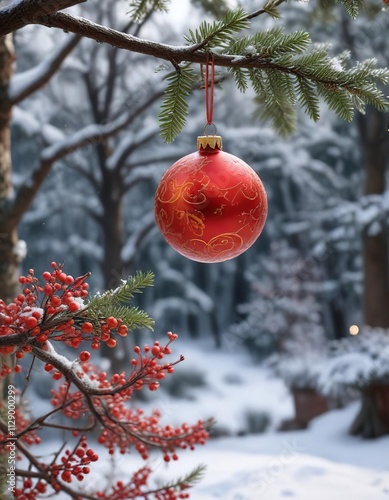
(371, 422)
(9, 284)
(113, 268)
(112, 226)
(9, 256)
(375, 155)
(373, 418)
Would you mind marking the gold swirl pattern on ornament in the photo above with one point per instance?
(195, 223)
(218, 245)
(183, 191)
(250, 219)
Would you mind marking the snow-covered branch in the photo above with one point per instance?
(131, 248)
(132, 146)
(25, 83)
(90, 135)
(25, 12)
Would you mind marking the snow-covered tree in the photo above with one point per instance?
(281, 68)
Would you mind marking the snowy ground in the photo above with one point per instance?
(321, 463)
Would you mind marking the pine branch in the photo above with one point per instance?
(174, 109)
(304, 73)
(139, 9)
(240, 78)
(269, 8)
(113, 303)
(351, 7)
(132, 317)
(308, 98)
(214, 7)
(184, 482)
(276, 102)
(218, 33)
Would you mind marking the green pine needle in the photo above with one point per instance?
(189, 479)
(114, 303)
(139, 9)
(351, 7)
(240, 78)
(271, 9)
(174, 109)
(289, 70)
(218, 33)
(214, 7)
(308, 98)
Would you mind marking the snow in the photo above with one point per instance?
(20, 250)
(25, 120)
(321, 463)
(190, 291)
(336, 64)
(88, 134)
(23, 82)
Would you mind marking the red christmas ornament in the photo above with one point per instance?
(210, 206)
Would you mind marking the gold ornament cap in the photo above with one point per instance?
(209, 141)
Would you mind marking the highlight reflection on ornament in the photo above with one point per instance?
(210, 206)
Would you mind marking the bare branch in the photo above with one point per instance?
(169, 158)
(90, 135)
(133, 146)
(25, 83)
(171, 53)
(131, 248)
(26, 12)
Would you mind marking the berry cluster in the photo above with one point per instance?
(137, 488)
(125, 426)
(54, 309)
(27, 434)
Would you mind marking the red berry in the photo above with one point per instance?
(48, 367)
(46, 276)
(84, 356)
(62, 277)
(87, 327)
(155, 350)
(55, 301)
(111, 342)
(31, 322)
(123, 330)
(112, 322)
(75, 342)
(73, 306)
(66, 476)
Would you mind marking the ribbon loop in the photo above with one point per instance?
(209, 88)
